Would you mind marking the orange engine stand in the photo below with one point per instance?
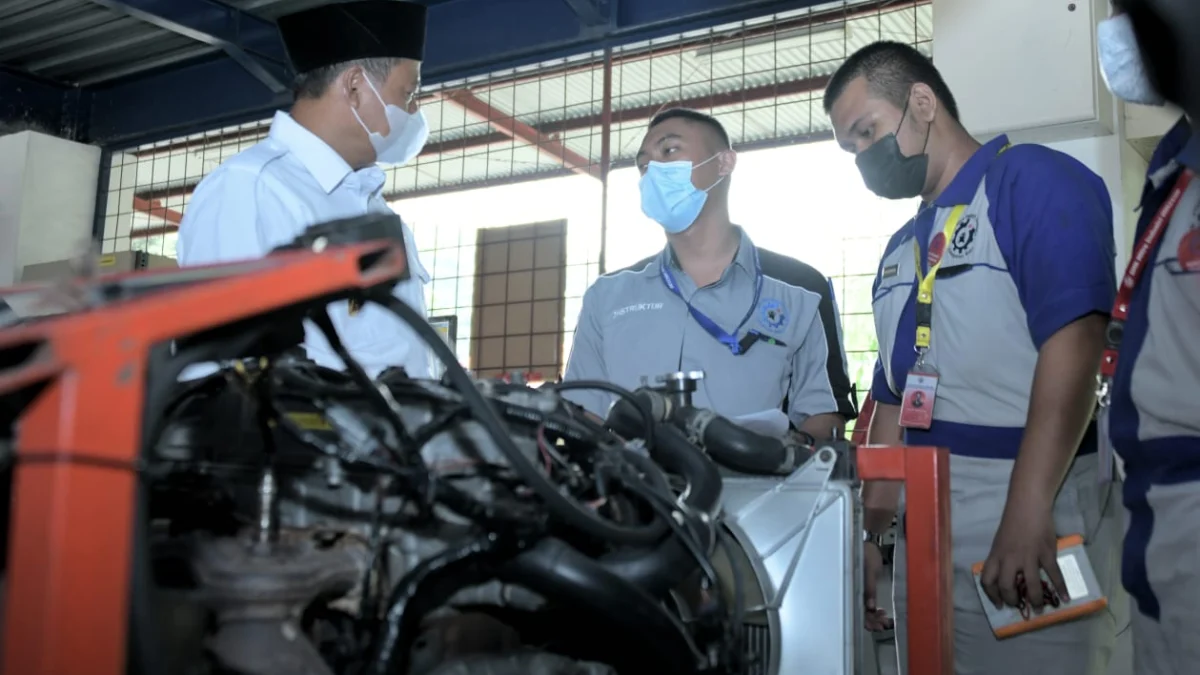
(925, 473)
(79, 440)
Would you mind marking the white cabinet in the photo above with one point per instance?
(1024, 67)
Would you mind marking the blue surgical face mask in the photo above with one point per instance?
(668, 196)
(1121, 62)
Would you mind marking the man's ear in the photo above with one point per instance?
(726, 162)
(922, 103)
(352, 83)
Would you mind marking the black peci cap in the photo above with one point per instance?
(349, 31)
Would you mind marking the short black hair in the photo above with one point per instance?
(694, 116)
(315, 83)
(891, 69)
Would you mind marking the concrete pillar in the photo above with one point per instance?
(47, 200)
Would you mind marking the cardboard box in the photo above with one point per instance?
(110, 263)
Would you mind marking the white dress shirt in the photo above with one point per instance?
(265, 197)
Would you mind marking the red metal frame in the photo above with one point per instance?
(71, 529)
(79, 441)
(925, 472)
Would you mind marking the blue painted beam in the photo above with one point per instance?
(252, 42)
(26, 101)
(465, 38)
(177, 102)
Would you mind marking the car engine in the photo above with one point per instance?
(293, 519)
(309, 521)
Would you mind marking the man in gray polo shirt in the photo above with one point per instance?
(763, 327)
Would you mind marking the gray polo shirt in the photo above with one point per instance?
(632, 326)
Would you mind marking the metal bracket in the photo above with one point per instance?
(590, 12)
(596, 17)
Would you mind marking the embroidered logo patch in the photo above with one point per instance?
(964, 236)
(771, 315)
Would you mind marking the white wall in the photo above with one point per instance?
(47, 200)
(1028, 68)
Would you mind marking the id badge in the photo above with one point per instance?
(1104, 448)
(920, 393)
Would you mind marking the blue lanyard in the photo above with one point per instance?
(730, 340)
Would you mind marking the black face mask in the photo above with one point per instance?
(888, 173)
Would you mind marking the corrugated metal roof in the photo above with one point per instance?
(81, 42)
(76, 41)
(566, 105)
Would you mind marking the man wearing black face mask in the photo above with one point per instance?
(1002, 352)
(1150, 54)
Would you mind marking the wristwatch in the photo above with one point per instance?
(872, 538)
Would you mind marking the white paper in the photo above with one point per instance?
(1076, 585)
(773, 423)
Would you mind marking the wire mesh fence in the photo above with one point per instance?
(556, 142)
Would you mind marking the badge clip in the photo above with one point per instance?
(920, 395)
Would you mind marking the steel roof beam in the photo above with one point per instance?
(520, 131)
(253, 43)
(465, 38)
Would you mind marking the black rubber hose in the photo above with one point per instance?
(627, 416)
(428, 586)
(673, 452)
(727, 443)
(662, 568)
(631, 400)
(560, 506)
(741, 449)
(638, 622)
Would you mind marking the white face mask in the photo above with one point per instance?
(406, 135)
(1121, 62)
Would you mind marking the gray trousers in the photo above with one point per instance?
(1171, 644)
(979, 488)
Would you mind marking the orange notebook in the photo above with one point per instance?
(1087, 597)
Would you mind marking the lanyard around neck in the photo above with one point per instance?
(1138, 262)
(925, 281)
(729, 339)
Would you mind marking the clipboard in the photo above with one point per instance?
(1087, 597)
